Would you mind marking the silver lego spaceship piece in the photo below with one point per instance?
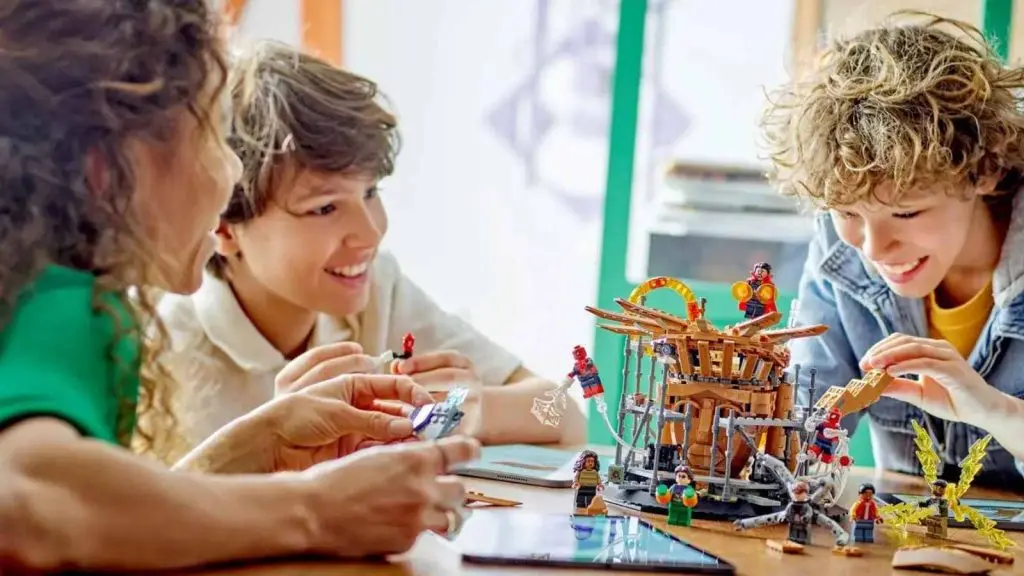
(435, 421)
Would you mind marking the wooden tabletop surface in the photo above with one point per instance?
(433, 556)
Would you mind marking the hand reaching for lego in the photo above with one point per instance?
(947, 386)
(443, 368)
(321, 364)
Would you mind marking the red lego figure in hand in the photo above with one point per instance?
(408, 343)
(585, 371)
(826, 436)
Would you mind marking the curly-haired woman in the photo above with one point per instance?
(114, 170)
(909, 138)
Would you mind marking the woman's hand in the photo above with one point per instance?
(321, 364)
(324, 421)
(340, 416)
(947, 386)
(378, 501)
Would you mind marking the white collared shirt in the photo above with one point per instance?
(225, 368)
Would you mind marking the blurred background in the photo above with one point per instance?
(559, 152)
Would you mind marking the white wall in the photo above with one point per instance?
(467, 223)
(512, 244)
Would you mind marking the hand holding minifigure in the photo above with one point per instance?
(321, 364)
(947, 387)
(439, 368)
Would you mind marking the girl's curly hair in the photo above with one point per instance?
(577, 465)
(922, 102)
(81, 78)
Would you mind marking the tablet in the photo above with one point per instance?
(519, 537)
(522, 464)
(1007, 514)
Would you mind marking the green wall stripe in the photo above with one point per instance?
(612, 282)
(997, 18)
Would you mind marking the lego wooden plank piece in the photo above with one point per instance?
(783, 335)
(848, 551)
(992, 555)
(627, 319)
(857, 395)
(481, 498)
(755, 324)
(784, 546)
(949, 559)
(675, 322)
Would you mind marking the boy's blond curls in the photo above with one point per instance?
(916, 104)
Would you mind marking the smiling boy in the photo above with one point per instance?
(910, 140)
(299, 264)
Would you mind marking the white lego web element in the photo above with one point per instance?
(549, 409)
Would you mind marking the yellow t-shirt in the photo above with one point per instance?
(962, 325)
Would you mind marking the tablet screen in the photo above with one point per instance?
(610, 542)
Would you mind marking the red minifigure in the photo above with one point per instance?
(408, 343)
(585, 371)
(826, 435)
(757, 294)
(864, 514)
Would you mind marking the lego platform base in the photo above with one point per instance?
(706, 509)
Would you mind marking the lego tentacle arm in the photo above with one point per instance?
(772, 519)
(842, 536)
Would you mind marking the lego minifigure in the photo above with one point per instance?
(864, 514)
(938, 523)
(826, 436)
(586, 480)
(585, 371)
(408, 343)
(756, 295)
(800, 513)
(681, 498)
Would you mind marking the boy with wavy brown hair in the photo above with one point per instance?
(909, 140)
(299, 271)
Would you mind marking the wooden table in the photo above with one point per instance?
(432, 556)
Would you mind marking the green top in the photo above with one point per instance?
(589, 478)
(61, 357)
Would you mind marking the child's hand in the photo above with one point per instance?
(947, 386)
(442, 368)
(321, 364)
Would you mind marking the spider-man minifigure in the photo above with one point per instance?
(826, 436)
(585, 371)
(408, 343)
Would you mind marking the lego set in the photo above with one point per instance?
(724, 408)
(719, 435)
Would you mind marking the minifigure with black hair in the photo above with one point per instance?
(756, 295)
(864, 514)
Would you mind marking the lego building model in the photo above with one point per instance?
(724, 408)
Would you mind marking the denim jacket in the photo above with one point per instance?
(840, 289)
